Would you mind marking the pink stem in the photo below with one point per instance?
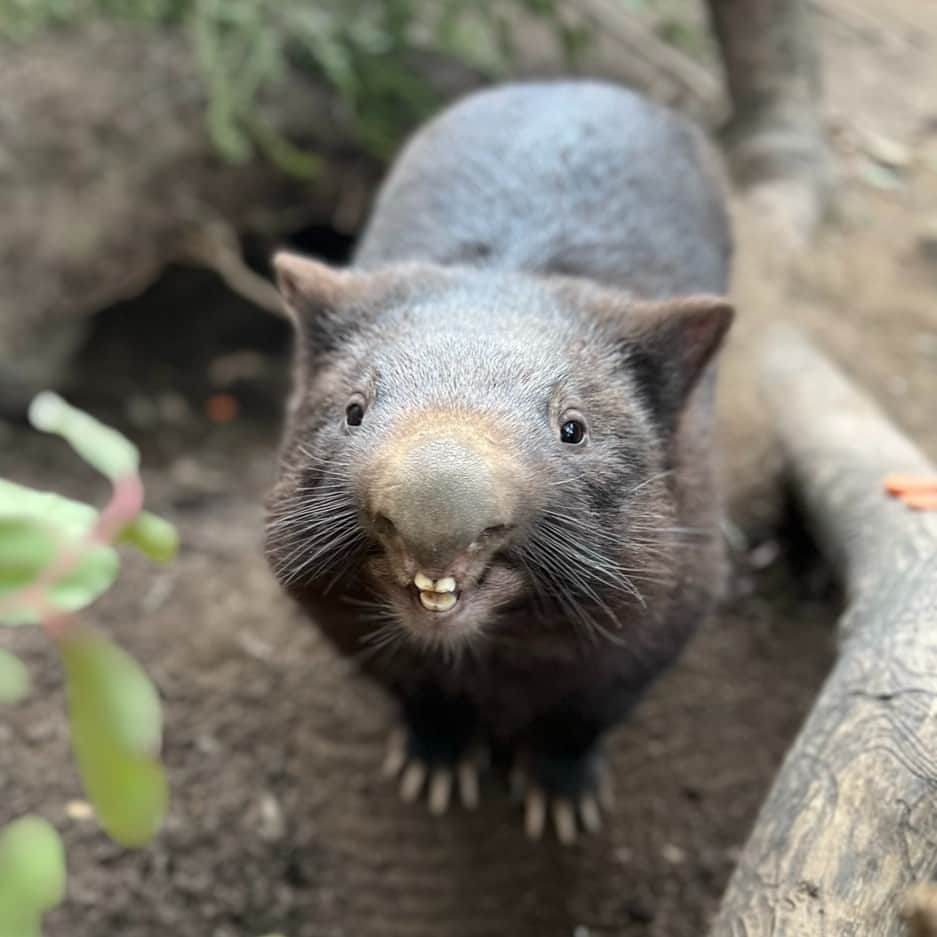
(126, 502)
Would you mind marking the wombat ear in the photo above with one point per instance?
(308, 286)
(668, 344)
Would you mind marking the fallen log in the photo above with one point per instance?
(775, 140)
(850, 824)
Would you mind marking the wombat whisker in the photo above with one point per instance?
(606, 571)
(387, 639)
(543, 587)
(596, 528)
(649, 481)
(317, 550)
(358, 602)
(308, 523)
(557, 563)
(308, 536)
(326, 483)
(326, 498)
(311, 569)
(377, 614)
(303, 521)
(318, 458)
(342, 560)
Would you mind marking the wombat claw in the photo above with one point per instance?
(563, 812)
(568, 815)
(414, 775)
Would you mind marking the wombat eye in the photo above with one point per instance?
(573, 432)
(354, 414)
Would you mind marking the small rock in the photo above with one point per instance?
(271, 825)
(623, 855)
(886, 151)
(673, 854)
(880, 177)
(189, 473)
(41, 731)
(764, 555)
(581, 931)
(207, 744)
(79, 810)
(174, 409)
(237, 366)
(156, 596)
(142, 411)
(254, 647)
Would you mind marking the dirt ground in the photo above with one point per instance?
(279, 821)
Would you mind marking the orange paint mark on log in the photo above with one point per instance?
(923, 501)
(902, 484)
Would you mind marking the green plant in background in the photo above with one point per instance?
(56, 557)
(363, 49)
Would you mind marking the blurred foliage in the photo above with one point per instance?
(32, 875)
(56, 558)
(364, 49)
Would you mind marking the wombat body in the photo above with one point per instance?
(497, 485)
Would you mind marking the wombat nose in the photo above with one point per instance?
(439, 498)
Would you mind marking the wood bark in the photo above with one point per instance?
(850, 824)
(775, 138)
(772, 66)
(107, 171)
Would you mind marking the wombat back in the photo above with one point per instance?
(573, 177)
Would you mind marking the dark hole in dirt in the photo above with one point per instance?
(188, 351)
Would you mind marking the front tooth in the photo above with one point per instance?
(423, 583)
(444, 601)
(437, 601)
(445, 585)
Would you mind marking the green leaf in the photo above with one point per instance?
(93, 576)
(27, 547)
(73, 518)
(32, 875)
(153, 536)
(115, 722)
(100, 446)
(14, 678)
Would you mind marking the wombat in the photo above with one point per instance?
(496, 489)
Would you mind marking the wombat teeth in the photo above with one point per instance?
(438, 601)
(425, 584)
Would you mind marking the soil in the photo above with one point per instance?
(279, 821)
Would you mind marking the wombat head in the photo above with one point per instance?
(460, 442)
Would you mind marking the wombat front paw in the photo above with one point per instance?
(568, 791)
(424, 768)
